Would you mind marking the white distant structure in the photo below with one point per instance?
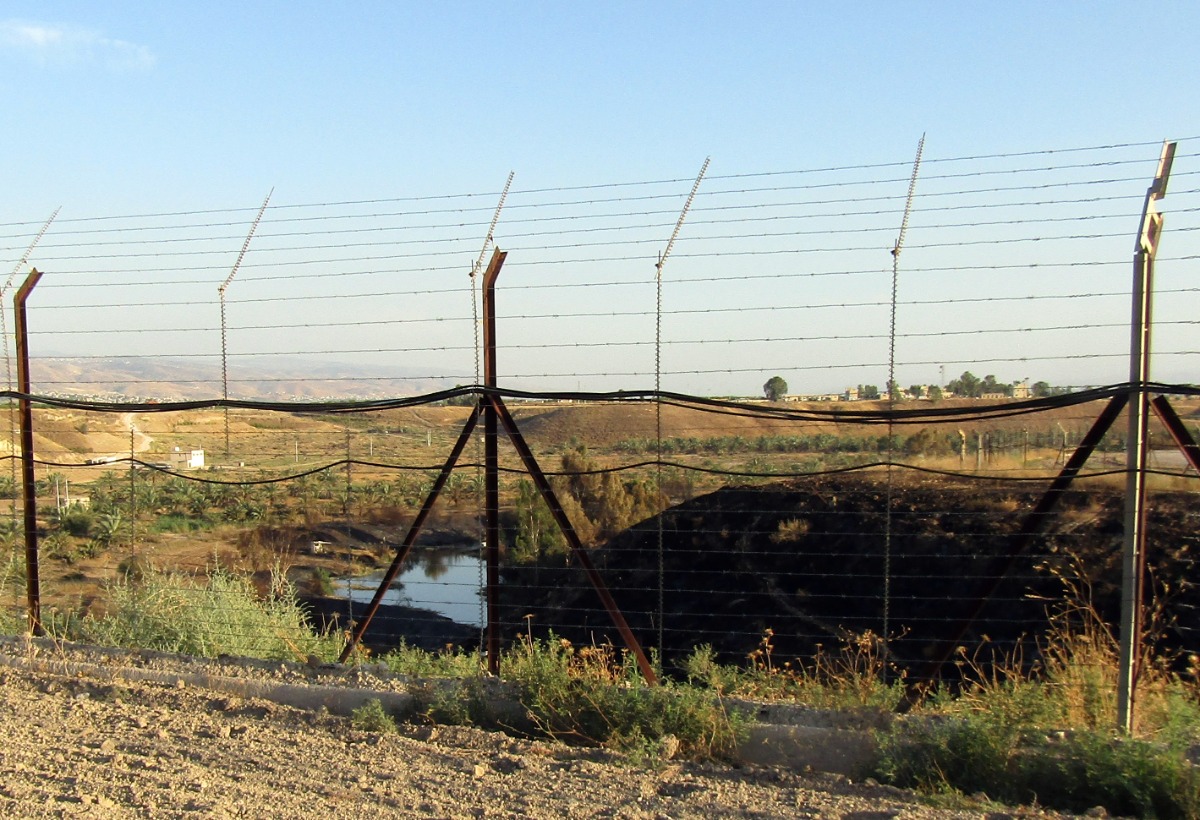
(181, 459)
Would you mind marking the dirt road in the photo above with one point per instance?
(74, 746)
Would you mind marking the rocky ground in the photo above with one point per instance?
(115, 744)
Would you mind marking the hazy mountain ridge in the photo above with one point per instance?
(174, 379)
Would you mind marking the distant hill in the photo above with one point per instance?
(174, 379)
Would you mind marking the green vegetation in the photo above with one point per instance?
(1045, 735)
(592, 696)
(75, 520)
(451, 662)
(923, 441)
(775, 388)
(222, 615)
(12, 582)
(595, 695)
(321, 583)
(598, 504)
(372, 717)
(179, 522)
(999, 755)
(849, 677)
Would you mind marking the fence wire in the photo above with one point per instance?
(350, 321)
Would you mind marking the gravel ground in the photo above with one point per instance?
(111, 745)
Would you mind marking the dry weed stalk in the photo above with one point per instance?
(1071, 683)
(858, 673)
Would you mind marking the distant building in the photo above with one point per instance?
(180, 459)
(1022, 390)
(811, 397)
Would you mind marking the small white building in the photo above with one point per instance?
(181, 459)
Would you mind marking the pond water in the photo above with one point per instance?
(443, 581)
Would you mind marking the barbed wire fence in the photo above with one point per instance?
(335, 356)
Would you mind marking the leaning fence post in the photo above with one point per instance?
(1133, 553)
(33, 591)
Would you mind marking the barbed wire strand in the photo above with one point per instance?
(658, 428)
(892, 390)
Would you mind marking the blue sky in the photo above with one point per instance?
(140, 103)
(137, 108)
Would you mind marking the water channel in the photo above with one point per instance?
(443, 581)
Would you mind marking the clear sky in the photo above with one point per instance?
(151, 107)
(120, 103)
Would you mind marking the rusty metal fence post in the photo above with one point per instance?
(1133, 553)
(33, 592)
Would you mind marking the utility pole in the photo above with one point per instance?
(1133, 553)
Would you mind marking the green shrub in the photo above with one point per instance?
(221, 615)
(13, 619)
(320, 582)
(1071, 772)
(852, 676)
(59, 546)
(372, 717)
(595, 696)
(590, 696)
(1045, 735)
(76, 520)
(450, 662)
(458, 702)
(179, 522)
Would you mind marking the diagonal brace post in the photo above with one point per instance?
(577, 548)
(1034, 524)
(1179, 432)
(414, 530)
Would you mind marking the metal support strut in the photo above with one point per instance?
(1034, 525)
(491, 464)
(413, 531)
(28, 481)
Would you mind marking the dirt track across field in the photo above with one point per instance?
(115, 747)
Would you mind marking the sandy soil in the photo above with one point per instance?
(114, 747)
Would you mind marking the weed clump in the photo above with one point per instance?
(450, 662)
(854, 675)
(1042, 732)
(220, 615)
(594, 695)
(1073, 771)
(372, 717)
(591, 696)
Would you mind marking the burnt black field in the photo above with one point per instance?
(816, 562)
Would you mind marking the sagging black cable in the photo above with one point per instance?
(775, 474)
(700, 403)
